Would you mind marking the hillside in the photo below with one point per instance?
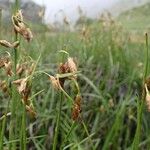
(125, 5)
(137, 18)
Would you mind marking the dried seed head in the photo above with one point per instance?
(8, 68)
(76, 108)
(3, 60)
(71, 65)
(8, 44)
(23, 88)
(5, 43)
(62, 68)
(20, 27)
(20, 69)
(28, 35)
(31, 111)
(147, 98)
(55, 82)
(3, 86)
(21, 84)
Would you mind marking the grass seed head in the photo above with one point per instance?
(3, 86)
(8, 68)
(31, 111)
(76, 108)
(8, 44)
(3, 60)
(71, 65)
(20, 26)
(55, 82)
(21, 84)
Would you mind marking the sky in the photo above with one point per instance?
(90, 7)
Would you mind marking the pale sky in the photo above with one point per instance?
(69, 7)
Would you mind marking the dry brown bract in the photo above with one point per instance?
(76, 108)
(8, 68)
(55, 82)
(8, 44)
(3, 86)
(20, 26)
(3, 60)
(23, 89)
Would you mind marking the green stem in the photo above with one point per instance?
(136, 140)
(57, 123)
(15, 102)
(87, 132)
(23, 130)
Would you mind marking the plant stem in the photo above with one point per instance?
(15, 99)
(57, 123)
(23, 130)
(136, 140)
(87, 132)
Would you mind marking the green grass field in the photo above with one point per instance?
(40, 112)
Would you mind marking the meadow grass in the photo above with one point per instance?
(109, 80)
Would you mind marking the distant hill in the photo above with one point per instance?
(137, 18)
(125, 5)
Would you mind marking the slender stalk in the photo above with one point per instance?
(23, 130)
(87, 132)
(2, 133)
(15, 103)
(136, 140)
(57, 123)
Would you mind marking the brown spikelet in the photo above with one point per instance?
(3, 60)
(71, 65)
(23, 88)
(20, 27)
(3, 86)
(67, 67)
(8, 44)
(147, 98)
(76, 108)
(62, 68)
(31, 111)
(8, 68)
(20, 69)
(21, 84)
(55, 82)
(5, 43)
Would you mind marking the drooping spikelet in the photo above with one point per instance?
(3, 60)
(71, 66)
(20, 27)
(23, 88)
(8, 44)
(76, 110)
(55, 82)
